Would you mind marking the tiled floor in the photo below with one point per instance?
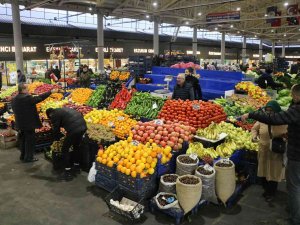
(30, 195)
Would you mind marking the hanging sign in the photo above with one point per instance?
(28, 49)
(216, 17)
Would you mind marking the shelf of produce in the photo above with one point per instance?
(175, 212)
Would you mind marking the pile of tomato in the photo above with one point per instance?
(198, 114)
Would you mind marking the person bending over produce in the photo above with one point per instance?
(270, 164)
(266, 80)
(183, 90)
(291, 117)
(27, 119)
(75, 126)
(193, 78)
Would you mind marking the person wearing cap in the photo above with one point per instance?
(291, 117)
(21, 77)
(193, 79)
(270, 164)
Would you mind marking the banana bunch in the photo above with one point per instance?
(211, 132)
(57, 145)
(197, 148)
(226, 149)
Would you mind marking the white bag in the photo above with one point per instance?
(171, 205)
(92, 173)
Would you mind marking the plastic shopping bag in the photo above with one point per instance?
(92, 173)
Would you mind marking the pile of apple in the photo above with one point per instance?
(45, 88)
(83, 109)
(166, 133)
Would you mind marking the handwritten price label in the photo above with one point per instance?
(158, 122)
(196, 106)
(193, 156)
(208, 167)
(135, 143)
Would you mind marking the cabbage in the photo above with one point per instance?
(284, 92)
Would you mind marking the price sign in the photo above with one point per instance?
(111, 124)
(158, 122)
(193, 156)
(154, 106)
(135, 143)
(196, 106)
(208, 167)
(121, 118)
(226, 161)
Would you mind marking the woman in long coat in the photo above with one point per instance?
(270, 164)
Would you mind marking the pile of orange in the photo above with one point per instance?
(81, 95)
(124, 75)
(134, 159)
(33, 86)
(114, 75)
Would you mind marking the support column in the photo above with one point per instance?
(223, 48)
(283, 51)
(244, 50)
(195, 42)
(260, 51)
(100, 42)
(156, 36)
(273, 48)
(17, 34)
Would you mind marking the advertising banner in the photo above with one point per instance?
(217, 17)
(292, 10)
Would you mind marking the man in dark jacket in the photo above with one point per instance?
(75, 126)
(27, 119)
(56, 71)
(291, 117)
(183, 90)
(21, 77)
(266, 80)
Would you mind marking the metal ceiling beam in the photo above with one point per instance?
(39, 4)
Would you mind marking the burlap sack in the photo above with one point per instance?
(183, 169)
(171, 205)
(208, 186)
(225, 181)
(167, 186)
(188, 195)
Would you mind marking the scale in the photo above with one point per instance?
(168, 79)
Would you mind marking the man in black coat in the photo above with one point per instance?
(291, 117)
(56, 71)
(75, 126)
(183, 90)
(192, 78)
(27, 119)
(266, 80)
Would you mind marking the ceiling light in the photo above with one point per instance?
(199, 13)
(90, 8)
(284, 35)
(216, 28)
(286, 4)
(255, 35)
(231, 26)
(238, 9)
(272, 31)
(154, 4)
(266, 15)
(147, 16)
(187, 23)
(238, 32)
(279, 40)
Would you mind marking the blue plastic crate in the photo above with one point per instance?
(237, 156)
(105, 182)
(106, 171)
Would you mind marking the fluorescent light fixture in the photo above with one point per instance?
(272, 31)
(199, 13)
(187, 23)
(266, 15)
(284, 35)
(154, 4)
(255, 35)
(147, 16)
(90, 8)
(286, 4)
(238, 8)
(238, 32)
(231, 26)
(216, 28)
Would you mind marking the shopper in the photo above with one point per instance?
(27, 119)
(75, 126)
(56, 71)
(21, 77)
(192, 78)
(266, 80)
(79, 71)
(295, 68)
(85, 77)
(183, 90)
(291, 117)
(270, 164)
(48, 73)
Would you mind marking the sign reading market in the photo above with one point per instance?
(8, 49)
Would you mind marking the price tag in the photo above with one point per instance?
(208, 167)
(135, 143)
(111, 124)
(121, 118)
(226, 161)
(193, 156)
(196, 106)
(154, 106)
(158, 122)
